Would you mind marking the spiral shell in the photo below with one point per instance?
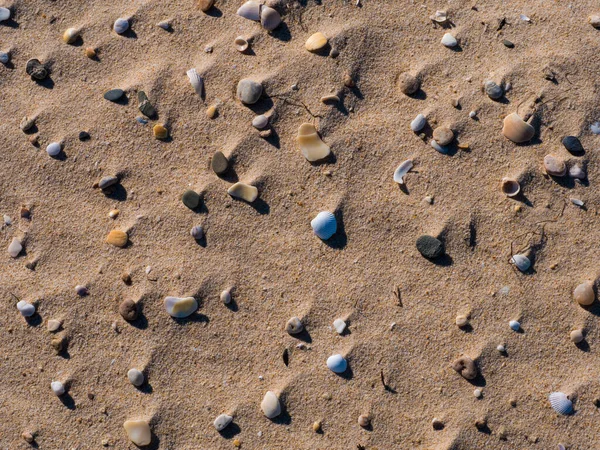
(560, 403)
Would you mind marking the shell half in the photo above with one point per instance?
(196, 81)
(516, 129)
(324, 225)
(560, 403)
(311, 145)
(402, 170)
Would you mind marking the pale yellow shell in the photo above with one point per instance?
(311, 145)
(516, 129)
(316, 42)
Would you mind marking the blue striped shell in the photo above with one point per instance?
(337, 363)
(561, 403)
(324, 225)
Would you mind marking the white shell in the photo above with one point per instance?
(269, 18)
(165, 25)
(561, 403)
(58, 388)
(14, 248)
(522, 262)
(514, 325)
(402, 170)
(249, 10)
(443, 150)
(4, 57)
(270, 405)
(339, 326)
(324, 225)
(196, 81)
(4, 14)
(121, 25)
(449, 41)
(337, 363)
(222, 421)
(418, 123)
(577, 202)
(53, 149)
(26, 309)
(595, 128)
(180, 307)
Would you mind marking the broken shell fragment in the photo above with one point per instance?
(250, 10)
(402, 170)
(180, 307)
(510, 187)
(196, 81)
(316, 42)
(554, 166)
(516, 129)
(241, 44)
(269, 18)
(138, 432)
(311, 145)
(15, 247)
(243, 191)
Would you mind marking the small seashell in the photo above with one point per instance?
(135, 377)
(364, 420)
(554, 166)
(121, 25)
(311, 145)
(522, 262)
(324, 225)
(576, 336)
(466, 367)
(243, 191)
(270, 405)
(4, 57)
(58, 388)
(594, 20)
(577, 202)
(418, 123)
(212, 111)
(402, 170)
(4, 14)
(339, 325)
(260, 122)
(241, 44)
(439, 148)
(196, 81)
(53, 149)
(15, 247)
(160, 131)
(25, 308)
(560, 403)
(516, 129)
(269, 18)
(107, 182)
(332, 98)
(226, 297)
(222, 421)
(510, 187)
(514, 325)
(117, 238)
(294, 326)
(408, 83)
(70, 35)
(138, 432)
(250, 10)
(164, 24)
(443, 135)
(316, 42)
(180, 307)
(492, 90)
(197, 232)
(449, 41)
(205, 5)
(249, 91)
(337, 363)
(572, 144)
(584, 294)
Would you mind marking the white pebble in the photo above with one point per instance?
(514, 325)
(595, 128)
(339, 325)
(53, 149)
(418, 123)
(121, 25)
(260, 122)
(7, 220)
(477, 393)
(473, 114)
(15, 248)
(26, 309)
(222, 421)
(501, 348)
(449, 41)
(577, 202)
(58, 388)
(4, 14)
(136, 377)
(81, 290)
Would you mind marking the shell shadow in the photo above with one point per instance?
(282, 32)
(419, 95)
(141, 323)
(202, 241)
(195, 317)
(62, 156)
(47, 82)
(230, 431)
(304, 336)
(339, 240)
(34, 321)
(273, 139)
(10, 23)
(478, 381)
(214, 12)
(583, 346)
(116, 192)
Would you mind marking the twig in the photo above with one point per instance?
(398, 295)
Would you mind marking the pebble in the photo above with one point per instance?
(316, 426)
(121, 25)
(59, 344)
(265, 133)
(477, 393)
(129, 310)
(294, 326)
(36, 70)
(243, 191)
(349, 81)
(330, 99)
(337, 363)
(219, 163)
(58, 388)
(577, 202)
(81, 290)
(190, 199)
(418, 123)
(197, 232)
(429, 246)
(211, 112)
(514, 325)
(462, 320)
(138, 432)
(135, 377)
(70, 35)
(501, 348)
(205, 5)
(576, 336)
(270, 405)
(7, 220)
(26, 124)
(443, 135)
(492, 90)
(339, 325)
(572, 144)
(84, 136)
(364, 420)
(522, 262)
(113, 213)
(260, 122)
(114, 95)
(584, 294)
(28, 437)
(4, 14)
(269, 18)
(25, 308)
(437, 424)
(164, 24)
(554, 166)
(408, 83)
(107, 182)
(117, 238)
(449, 41)
(577, 172)
(15, 247)
(4, 57)
(225, 297)
(160, 131)
(222, 421)
(53, 325)
(145, 107)
(249, 91)
(508, 43)
(53, 149)
(316, 42)
(90, 52)
(473, 114)
(466, 367)
(594, 20)
(180, 307)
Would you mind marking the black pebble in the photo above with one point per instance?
(430, 247)
(84, 136)
(114, 94)
(508, 44)
(572, 144)
(36, 70)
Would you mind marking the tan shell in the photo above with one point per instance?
(160, 131)
(516, 129)
(332, 98)
(316, 42)
(138, 432)
(241, 44)
(510, 187)
(117, 238)
(243, 191)
(311, 145)
(70, 35)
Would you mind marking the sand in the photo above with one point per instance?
(211, 363)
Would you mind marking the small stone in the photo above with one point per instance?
(70, 35)
(191, 199)
(477, 393)
(594, 20)
(437, 424)
(349, 81)
(25, 308)
(473, 114)
(462, 320)
(205, 5)
(408, 83)
(243, 191)
(145, 107)
(430, 247)
(138, 432)
(576, 336)
(554, 166)
(443, 135)
(260, 122)
(249, 91)
(36, 70)
(81, 290)
(54, 149)
(160, 131)
(26, 124)
(316, 426)
(492, 90)
(15, 247)
(334, 53)
(135, 377)
(597, 402)
(270, 405)
(225, 297)
(584, 294)
(337, 363)
(237, 443)
(59, 344)
(90, 52)
(197, 232)
(53, 325)
(508, 43)
(364, 420)
(514, 325)
(501, 348)
(58, 388)
(108, 181)
(180, 307)
(126, 278)
(211, 112)
(28, 437)
(222, 421)
(572, 144)
(114, 95)
(339, 325)
(219, 163)
(294, 326)
(84, 136)
(418, 123)
(4, 14)
(129, 310)
(577, 172)
(121, 25)
(113, 213)
(502, 433)
(265, 133)
(316, 42)
(117, 238)
(449, 41)
(481, 424)
(466, 367)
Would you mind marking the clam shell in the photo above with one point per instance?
(121, 25)
(180, 307)
(294, 326)
(249, 10)
(324, 225)
(241, 44)
(196, 81)
(560, 403)
(510, 187)
(269, 18)
(311, 145)
(522, 262)
(222, 422)
(402, 170)
(418, 123)
(138, 432)
(316, 42)
(70, 35)
(243, 191)
(516, 129)
(337, 363)
(270, 405)
(54, 148)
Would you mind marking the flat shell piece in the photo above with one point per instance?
(402, 170)
(311, 145)
(243, 191)
(516, 129)
(180, 307)
(138, 432)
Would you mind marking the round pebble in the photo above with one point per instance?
(129, 310)
(135, 377)
(58, 388)
(191, 199)
(25, 308)
(576, 336)
(477, 393)
(53, 149)
(449, 41)
(443, 135)
(225, 297)
(260, 122)
(364, 420)
(584, 294)
(594, 20)
(501, 348)
(337, 363)
(222, 421)
(28, 437)
(121, 25)
(316, 426)
(197, 232)
(554, 166)
(108, 181)
(4, 14)
(81, 290)
(462, 320)
(90, 52)
(514, 325)
(249, 91)
(270, 405)
(53, 325)
(219, 163)
(4, 57)
(572, 144)
(408, 84)
(114, 95)
(429, 246)
(492, 90)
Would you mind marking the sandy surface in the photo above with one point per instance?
(211, 363)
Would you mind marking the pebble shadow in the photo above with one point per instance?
(196, 317)
(116, 192)
(261, 206)
(47, 82)
(347, 374)
(202, 241)
(214, 12)
(67, 401)
(282, 32)
(34, 321)
(263, 105)
(478, 381)
(230, 431)
(304, 336)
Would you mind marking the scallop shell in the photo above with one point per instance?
(196, 81)
(516, 129)
(560, 403)
(241, 44)
(269, 18)
(522, 262)
(311, 145)
(249, 10)
(402, 170)
(180, 307)
(324, 225)
(316, 42)
(510, 187)
(121, 25)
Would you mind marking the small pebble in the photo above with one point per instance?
(129, 310)
(211, 112)
(554, 166)
(58, 388)
(316, 426)
(190, 199)
(418, 123)
(584, 294)
(337, 364)
(260, 122)
(81, 290)
(429, 246)
(70, 35)
(135, 377)
(26, 124)
(462, 320)
(265, 133)
(84, 136)
(577, 172)
(197, 232)
(501, 348)
(225, 297)
(572, 144)
(492, 90)
(180, 307)
(15, 247)
(126, 278)
(114, 95)
(437, 424)
(249, 91)
(113, 213)
(59, 344)
(466, 367)
(576, 336)
(205, 5)
(108, 181)
(25, 308)
(349, 81)
(160, 131)
(121, 25)
(54, 149)
(477, 393)
(270, 405)
(408, 83)
(514, 325)
(243, 191)
(449, 41)
(473, 114)
(222, 421)
(138, 432)
(219, 163)
(508, 43)
(28, 437)
(594, 20)
(364, 420)
(339, 325)
(443, 135)
(90, 52)
(481, 424)
(53, 325)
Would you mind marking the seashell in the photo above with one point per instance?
(160, 131)
(269, 18)
(443, 135)
(418, 123)
(222, 421)
(330, 99)
(25, 308)
(466, 367)
(439, 148)
(316, 42)
(337, 363)
(402, 170)
(15, 247)
(138, 432)
(113, 213)
(311, 145)
(197, 232)
(576, 336)
(584, 294)
(205, 5)
(196, 81)
(516, 129)
(408, 83)
(449, 41)
(180, 307)
(117, 238)
(58, 388)
(241, 44)
(514, 325)
(324, 225)
(522, 262)
(577, 172)
(4, 57)
(121, 25)
(554, 166)
(164, 24)
(270, 405)
(339, 325)
(260, 122)
(54, 148)
(440, 17)
(226, 297)
(136, 377)
(560, 403)
(294, 326)
(510, 187)
(4, 14)
(492, 90)
(250, 10)
(70, 35)
(249, 91)
(107, 182)
(243, 191)
(577, 202)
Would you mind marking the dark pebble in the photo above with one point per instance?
(572, 144)
(128, 310)
(508, 44)
(84, 136)
(114, 94)
(145, 106)
(35, 69)
(190, 199)
(219, 163)
(430, 247)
